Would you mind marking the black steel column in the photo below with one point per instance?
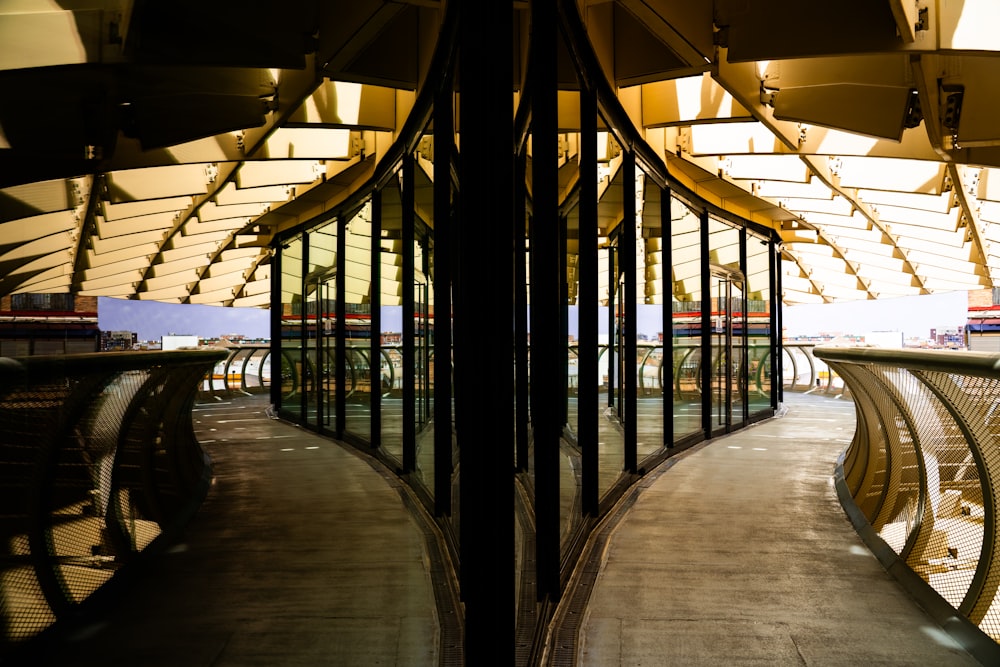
(484, 344)
(706, 327)
(409, 312)
(444, 143)
(563, 319)
(320, 341)
(304, 378)
(277, 338)
(375, 322)
(628, 245)
(667, 290)
(522, 387)
(340, 331)
(588, 393)
(546, 288)
(612, 351)
(777, 334)
(743, 365)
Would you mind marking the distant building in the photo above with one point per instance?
(179, 341)
(36, 324)
(948, 336)
(119, 341)
(983, 325)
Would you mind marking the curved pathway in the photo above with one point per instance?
(303, 554)
(739, 553)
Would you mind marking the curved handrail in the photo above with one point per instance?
(815, 381)
(98, 459)
(922, 475)
(235, 371)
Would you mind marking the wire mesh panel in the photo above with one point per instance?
(877, 487)
(968, 479)
(97, 459)
(938, 416)
(75, 488)
(28, 415)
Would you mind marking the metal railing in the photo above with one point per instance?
(245, 370)
(802, 371)
(922, 475)
(98, 459)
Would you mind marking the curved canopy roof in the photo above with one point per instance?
(152, 150)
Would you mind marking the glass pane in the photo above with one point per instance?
(738, 364)
(721, 352)
(649, 319)
(685, 253)
(291, 368)
(392, 320)
(727, 327)
(609, 214)
(570, 464)
(759, 323)
(572, 317)
(357, 306)
(321, 309)
(423, 335)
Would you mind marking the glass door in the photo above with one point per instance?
(326, 353)
(728, 350)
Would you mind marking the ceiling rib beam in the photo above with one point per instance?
(806, 273)
(821, 169)
(971, 217)
(85, 228)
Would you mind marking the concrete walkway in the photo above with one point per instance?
(741, 554)
(302, 555)
(736, 552)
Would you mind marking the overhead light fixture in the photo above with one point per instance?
(951, 96)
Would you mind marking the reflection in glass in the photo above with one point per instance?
(422, 284)
(727, 327)
(423, 340)
(610, 215)
(392, 319)
(572, 317)
(291, 327)
(649, 319)
(570, 463)
(685, 253)
(320, 286)
(357, 329)
(758, 323)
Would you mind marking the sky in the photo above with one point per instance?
(913, 316)
(151, 320)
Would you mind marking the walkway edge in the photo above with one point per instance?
(968, 635)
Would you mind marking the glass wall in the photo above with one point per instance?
(650, 390)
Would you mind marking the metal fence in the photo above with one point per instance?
(98, 459)
(922, 475)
